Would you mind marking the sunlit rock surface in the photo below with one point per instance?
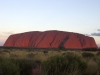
(51, 39)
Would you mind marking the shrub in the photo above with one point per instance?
(61, 48)
(9, 67)
(99, 48)
(92, 68)
(63, 65)
(13, 55)
(6, 51)
(26, 66)
(30, 55)
(87, 55)
(17, 67)
(45, 52)
(90, 49)
(98, 54)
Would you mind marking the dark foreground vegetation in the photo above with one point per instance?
(59, 62)
(67, 64)
(64, 65)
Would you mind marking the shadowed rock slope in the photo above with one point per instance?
(50, 39)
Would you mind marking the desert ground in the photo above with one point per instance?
(34, 61)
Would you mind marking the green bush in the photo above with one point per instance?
(13, 55)
(64, 65)
(30, 55)
(17, 67)
(87, 55)
(89, 49)
(92, 69)
(98, 54)
(9, 67)
(25, 66)
(45, 52)
(6, 51)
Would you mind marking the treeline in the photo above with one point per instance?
(60, 48)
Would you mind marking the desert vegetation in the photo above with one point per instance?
(48, 62)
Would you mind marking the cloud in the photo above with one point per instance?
(95, 34)
(87, 35)
(4, 35)
(1, 44)
(10, 32)
(98, 29)
(98, 45)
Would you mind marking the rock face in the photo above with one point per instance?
(50, 39)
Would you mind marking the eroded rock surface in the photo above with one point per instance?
(50, 39)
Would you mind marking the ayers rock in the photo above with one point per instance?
(50, 39)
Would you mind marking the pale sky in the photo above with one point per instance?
(80, 16)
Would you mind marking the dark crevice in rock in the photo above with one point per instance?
(61, 45)
(53, 39)
(41, 39)
(30, 40)
(35, 38)
(19, 35)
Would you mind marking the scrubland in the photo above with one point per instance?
(49, 62)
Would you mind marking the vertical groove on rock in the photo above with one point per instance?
(41, 39)
(19, 43)
(53, 39)
(90, 42)
(16, 40)
(36, 39)
(36, 35)
(61, 45)
(30, 40)
(13, 41)
(81, 40)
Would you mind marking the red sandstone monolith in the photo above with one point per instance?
(50, 39)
